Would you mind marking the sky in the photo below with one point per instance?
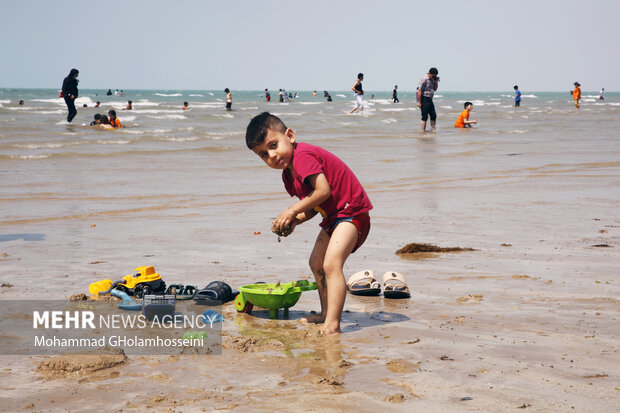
(477, 45)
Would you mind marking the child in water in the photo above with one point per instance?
(324, 184)
(463, 119)
(228, 99)
(114, 120)
(129, 105)
(185, 106)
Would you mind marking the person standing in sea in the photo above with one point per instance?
(70, 92)
(426, 91)
(359, 92)
(395, 94)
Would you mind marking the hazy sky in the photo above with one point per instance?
(542, 45)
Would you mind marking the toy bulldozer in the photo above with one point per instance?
(143, 278)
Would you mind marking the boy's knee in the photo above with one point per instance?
(316, 264)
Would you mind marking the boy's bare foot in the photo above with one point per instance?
(314, 318)
(329, 330)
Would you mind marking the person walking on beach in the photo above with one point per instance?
(577, 94)
(600, 94)
(267, 95)
(426, 91)
(70, 92)
(228, 99)
(359, 92)
(517, 96)
(323, 183)
(395, 94)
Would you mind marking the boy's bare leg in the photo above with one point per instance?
(423, 123)
(433, 125)
(341, 244)
(316, 265)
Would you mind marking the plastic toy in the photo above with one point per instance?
(132, 284)
(271, 296)
(127, 303)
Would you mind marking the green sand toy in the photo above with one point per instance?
(271, 296)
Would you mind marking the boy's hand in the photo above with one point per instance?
(285, 223)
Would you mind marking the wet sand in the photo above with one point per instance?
(528, 320)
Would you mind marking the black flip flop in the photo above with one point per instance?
(215, 293)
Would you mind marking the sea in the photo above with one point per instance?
(180, 190)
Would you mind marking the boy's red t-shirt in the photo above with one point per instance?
(460, 122)
(348, 197)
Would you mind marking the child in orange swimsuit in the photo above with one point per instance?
(577, 94)
(463, 120)
(114, 122)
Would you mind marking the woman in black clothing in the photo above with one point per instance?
(70, 93)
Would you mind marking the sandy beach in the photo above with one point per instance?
(527, 321)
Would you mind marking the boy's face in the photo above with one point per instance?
(469, 107)
(277, 149)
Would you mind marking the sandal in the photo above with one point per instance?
(394, 286)
(215, 293)
(363, 283)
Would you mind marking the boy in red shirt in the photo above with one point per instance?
(325, 184)
(463, 120)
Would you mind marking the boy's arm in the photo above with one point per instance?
(304, 208)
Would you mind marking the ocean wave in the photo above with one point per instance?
(168, 94)
(47, 145)
(145, 102)
(389, 121)
(395, 109)
(127, 118)
(28, 157)
(310, 103)
(175, 117)
(445, 107)
(173, 139)
(197, 95)
(113, 142)
(341, 95)
(529, 96)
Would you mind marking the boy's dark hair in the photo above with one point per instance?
(105, 120)
(112, 112)
(516, 87)
(259, 126)
(467, 104)
(433, 71)
(185, 103)
(97, 116)
(226, 90)
(130, 102)
(98, 102)
(360, 75)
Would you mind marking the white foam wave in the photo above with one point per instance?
(145, 102)
(127, 118)
(55, 100)
(310, 103)
(189, 139)
(341, 95)
(211, 94)
(49, 112)
(394, 110)
(114, 142)
(41, 156)
(48, 145)
(588, 100)
(197, 95)
(168, 94)
(529, 96)
(389, 121)
(445, 107)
